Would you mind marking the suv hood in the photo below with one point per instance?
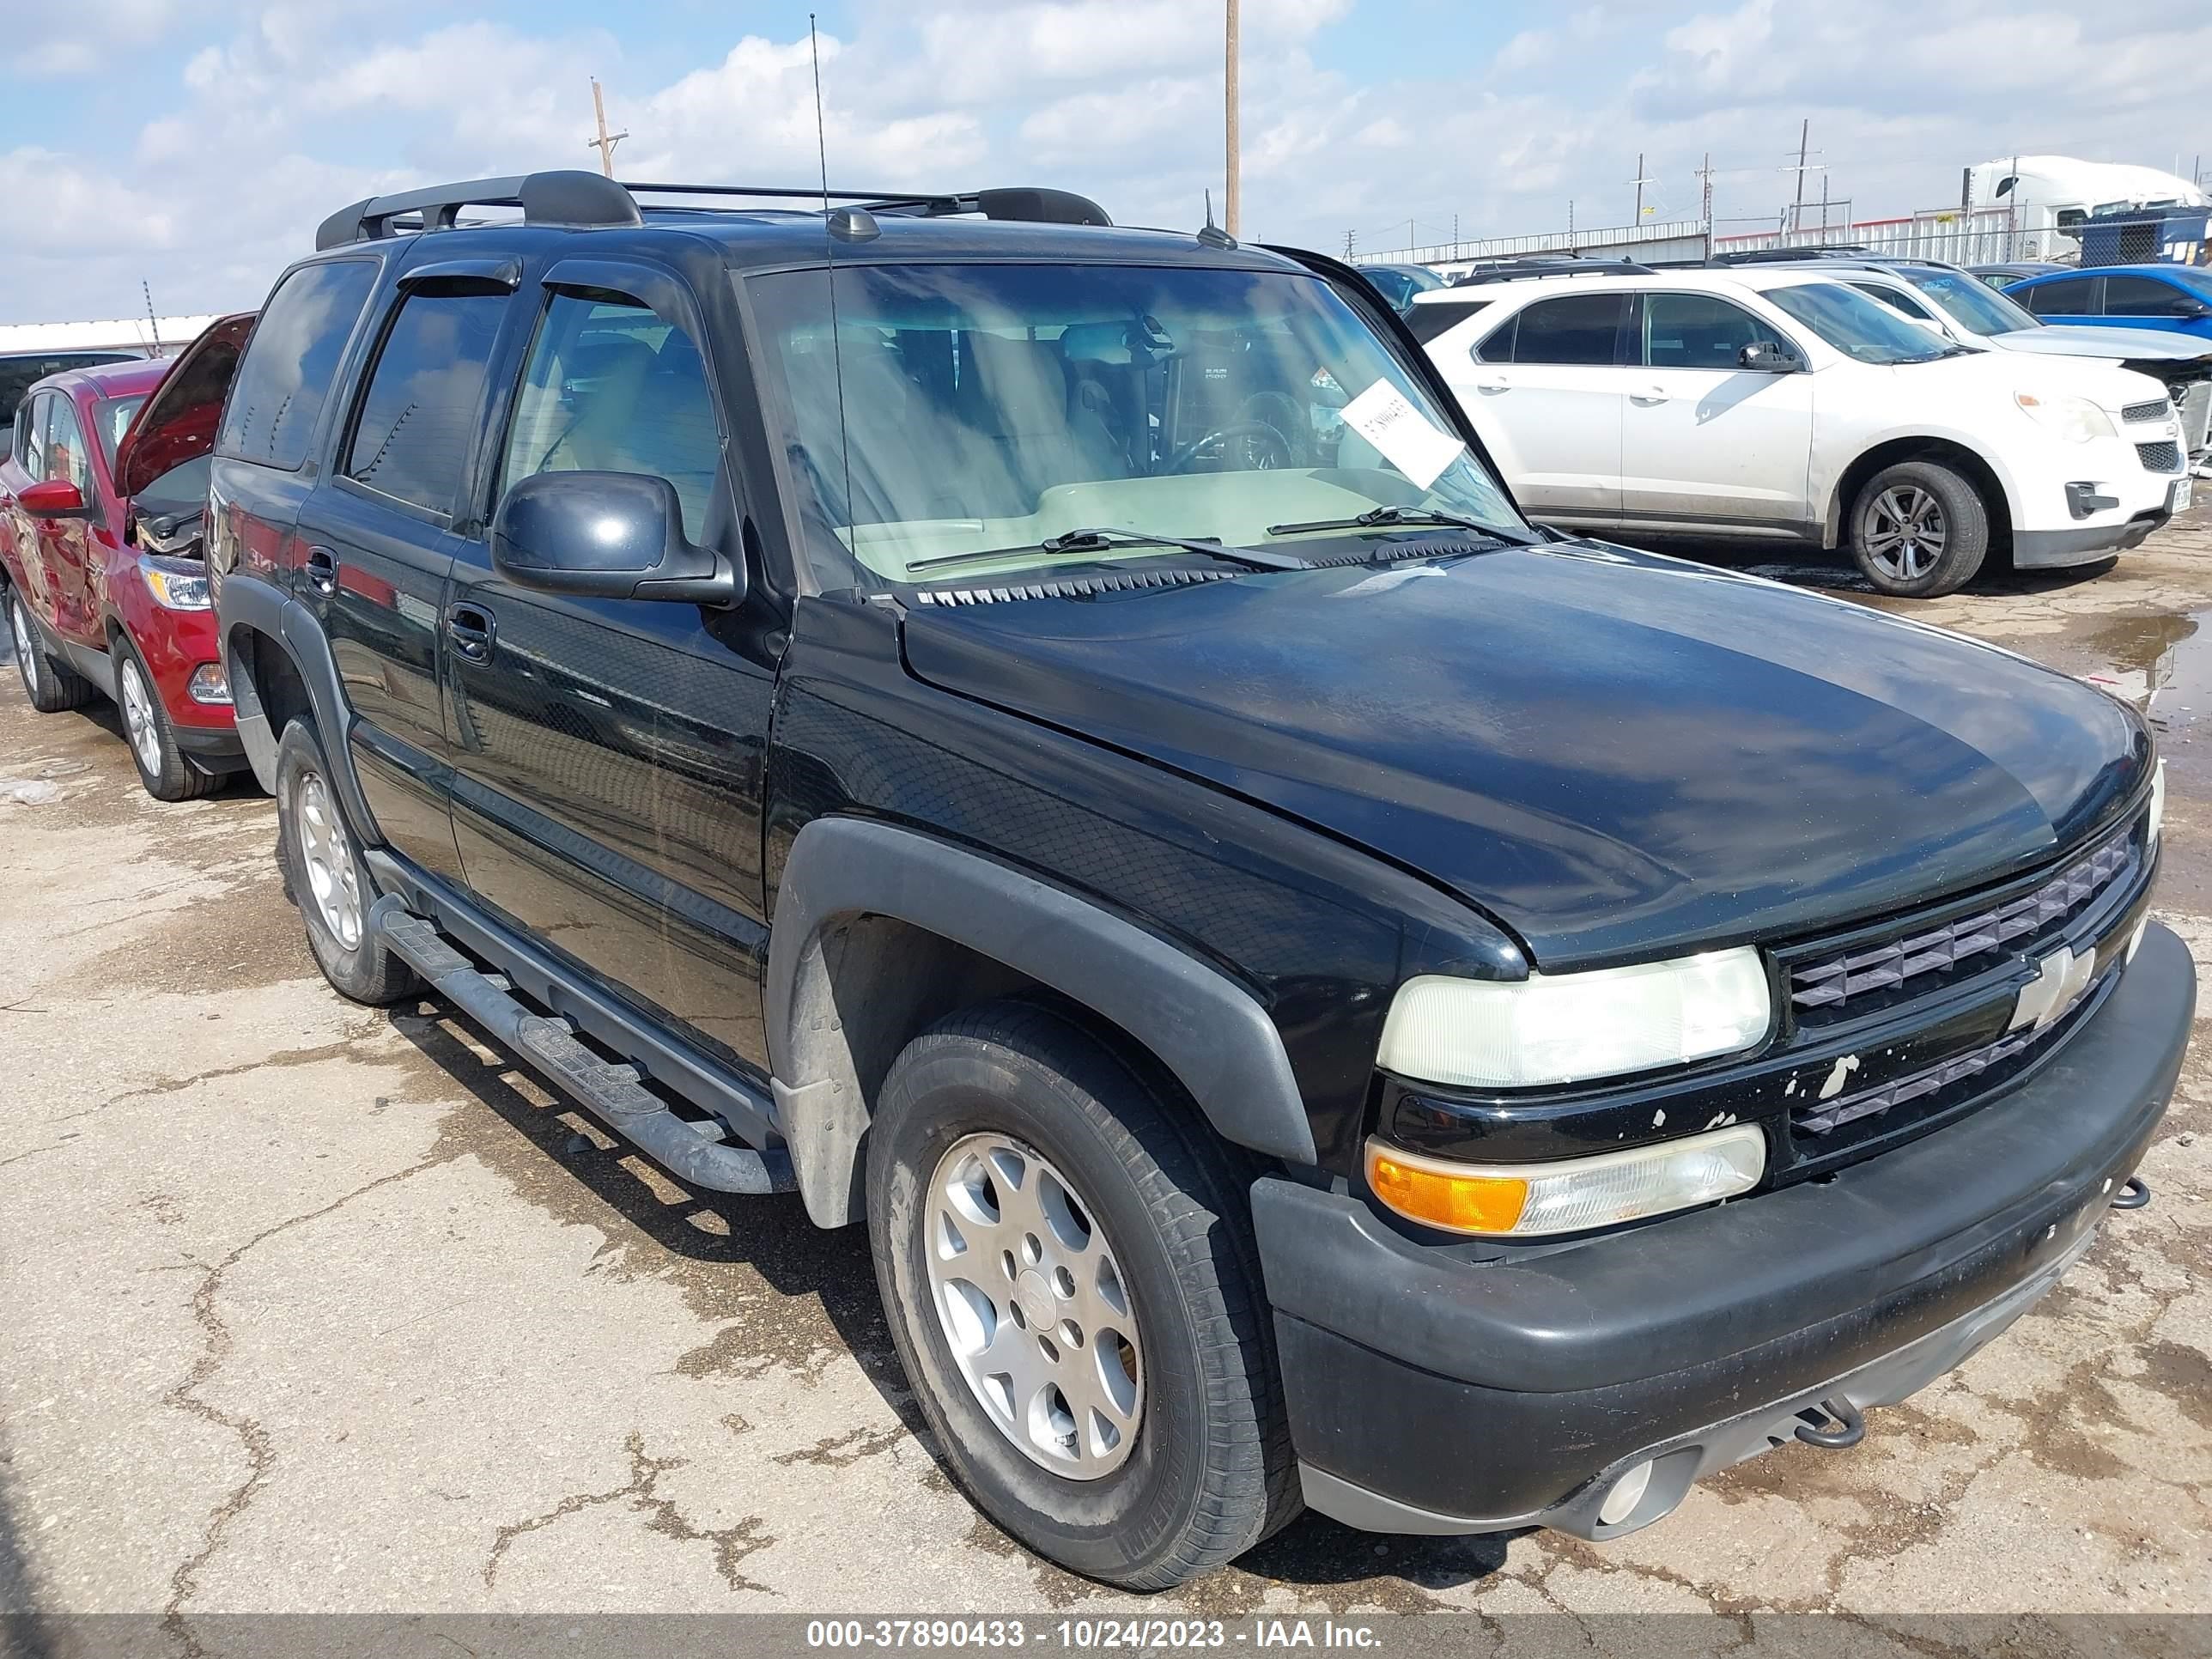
(2134, 346)
(2094, 376)
(1617, 755)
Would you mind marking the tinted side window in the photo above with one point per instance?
(286, 376)
(31, 436)
(1575, 328)
(411, 440)
(1696, 330)
(1896, 300)
(613, 388)
(2140, 296)
(1440, 317)
(2070, 298)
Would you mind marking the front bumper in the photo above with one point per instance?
(2096, 500)
(1429, 1391)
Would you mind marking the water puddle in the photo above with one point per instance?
(2163, 665)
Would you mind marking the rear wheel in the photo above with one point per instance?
(51, 687)
(163, 768)
(325, 876)
(1919, 529)
(1066, 1257)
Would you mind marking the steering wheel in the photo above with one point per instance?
(1266, 447)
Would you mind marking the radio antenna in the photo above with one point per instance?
(830, 242)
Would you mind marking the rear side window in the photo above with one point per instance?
(1897, 299)
(1436, 316)
(1574, 329)
(411, 440)
(290, 361)
(2068, 299)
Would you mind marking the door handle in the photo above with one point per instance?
(1493, 385)
(1648, 396)
(322, 569)
(469, 629)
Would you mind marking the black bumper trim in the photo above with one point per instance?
(1488, 1388)
(2044, 548)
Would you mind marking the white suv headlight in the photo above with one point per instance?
(1564, 1028)
(2074, 419)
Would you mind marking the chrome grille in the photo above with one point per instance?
(1975, 1062)
(2161, 457)
(2155, 411)
(1825, 990)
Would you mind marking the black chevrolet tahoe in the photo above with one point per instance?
(1053, 741)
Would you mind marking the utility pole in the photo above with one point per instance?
(1804, 138)
(1639, 181)
(1455, 236)
(153, 323)
(605, 143)
(1570, 224)
(1705, 201)
(1348, 238)
(1235, 226)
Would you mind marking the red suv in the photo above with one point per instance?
(105, 586)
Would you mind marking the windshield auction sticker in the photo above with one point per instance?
(1382, 416)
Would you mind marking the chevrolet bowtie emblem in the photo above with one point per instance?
(2060, 979)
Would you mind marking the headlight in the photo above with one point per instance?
(2155, 819)
(2074, 419)
(176, 584)
(1563, 1028)
(1573, 1193)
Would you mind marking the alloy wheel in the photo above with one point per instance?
(26, 652)
(1033, 1306)
(326, 860)
(138, 722)
(1906, 532)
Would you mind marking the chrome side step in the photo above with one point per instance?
(613, 1094)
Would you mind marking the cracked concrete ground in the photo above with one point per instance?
(307, 1307)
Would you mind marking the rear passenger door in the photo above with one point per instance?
(609, 755)
(377, 542)
(1547, 392)
(1705, 442)
(2064, 297)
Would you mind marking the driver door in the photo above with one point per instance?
(609, 755)
(1707, 443)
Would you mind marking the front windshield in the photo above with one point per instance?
(942, 413)
(115, 414)
(1864, 330)
(1972, 306)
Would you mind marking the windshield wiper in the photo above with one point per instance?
(1384, 516)
(1092, 541)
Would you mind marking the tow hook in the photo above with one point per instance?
(2134, 1193)
(1849, 1430)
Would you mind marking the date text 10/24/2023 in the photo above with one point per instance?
(1088, 1634)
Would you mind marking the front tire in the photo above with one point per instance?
(1066, 1257)
(163, 768)
(1919, 529)
(324, 875)
(51, 687)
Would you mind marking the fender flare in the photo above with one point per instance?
(250, 604)
(1207, 1029)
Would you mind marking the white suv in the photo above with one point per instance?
(1783, 404)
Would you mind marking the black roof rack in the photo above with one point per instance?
(1784, 255)
(575, 198)
(1525, 267)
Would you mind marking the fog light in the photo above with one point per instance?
(1627, 1492)
(209, 683)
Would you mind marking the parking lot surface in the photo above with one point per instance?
(305, 1307)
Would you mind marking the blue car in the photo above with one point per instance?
(2177, 297)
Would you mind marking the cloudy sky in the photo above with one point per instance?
(195, 144)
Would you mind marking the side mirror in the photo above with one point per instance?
(52, 498)
(1765, 357)
(606, 535)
